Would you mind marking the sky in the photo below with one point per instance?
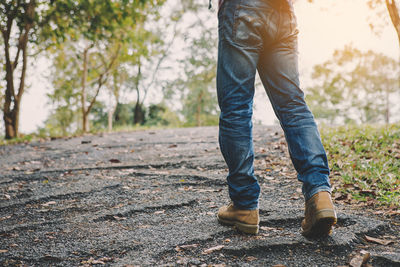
(324, 26)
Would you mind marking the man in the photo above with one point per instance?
(262, 35)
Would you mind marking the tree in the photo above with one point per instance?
(354, 86)
(18, 22)
(197, 86)
(100, 44)
(43, 23)
(156, 49)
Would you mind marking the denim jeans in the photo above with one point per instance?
(262, 35)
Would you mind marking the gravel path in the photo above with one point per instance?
(149, 198)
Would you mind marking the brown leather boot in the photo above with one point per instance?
(320, 215)
(245, 220)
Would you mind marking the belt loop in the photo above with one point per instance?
(210, 4)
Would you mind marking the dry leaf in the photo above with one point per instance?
(115, 161)
(213, 249)
(159, 212)
(98, 262)
(49, 203)
(3, 250)
(266, 228)
(183, 247)
(378, 241)
(360, 260)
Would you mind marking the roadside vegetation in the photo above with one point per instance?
(365, 163)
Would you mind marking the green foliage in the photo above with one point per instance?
(124, 114)
(95, 52)
(354, 86)
(161, 115)
(92, 20)
(197, 86)
(365, 161)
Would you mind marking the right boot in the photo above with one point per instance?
(246, 221)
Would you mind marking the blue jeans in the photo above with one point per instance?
(262, 35)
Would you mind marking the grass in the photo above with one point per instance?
(365, 162)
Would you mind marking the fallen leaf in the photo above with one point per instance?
(7, 196)
(115, 161)
(3, 250)
(213, 249)
(98, 262)
(266, 228)
(360, 260)
(119, 218)
(378, 241)
(86, 142)
(159, 212)
(251, 258)
(278, 265)
(172, 146)
(183, 247)
(5, 218)
(49, 203)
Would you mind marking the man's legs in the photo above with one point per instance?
(262, 34)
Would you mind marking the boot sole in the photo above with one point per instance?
(243, 227)
(322, 225)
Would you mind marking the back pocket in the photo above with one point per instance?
(248, 27)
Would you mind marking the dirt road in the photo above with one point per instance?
(149, 198)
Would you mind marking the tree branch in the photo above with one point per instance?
(394, 15)
(163, 57)
(100, 79)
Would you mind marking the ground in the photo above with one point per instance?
(149, 198)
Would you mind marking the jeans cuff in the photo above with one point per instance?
(315, 190)
(252, 207)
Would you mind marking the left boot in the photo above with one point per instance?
(245, 221)
(320, 215)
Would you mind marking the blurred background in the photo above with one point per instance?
(70, 67)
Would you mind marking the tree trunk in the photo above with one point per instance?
(198, 109)
(12, 99)
(138, 116)
(111, 116)
(85, 122)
